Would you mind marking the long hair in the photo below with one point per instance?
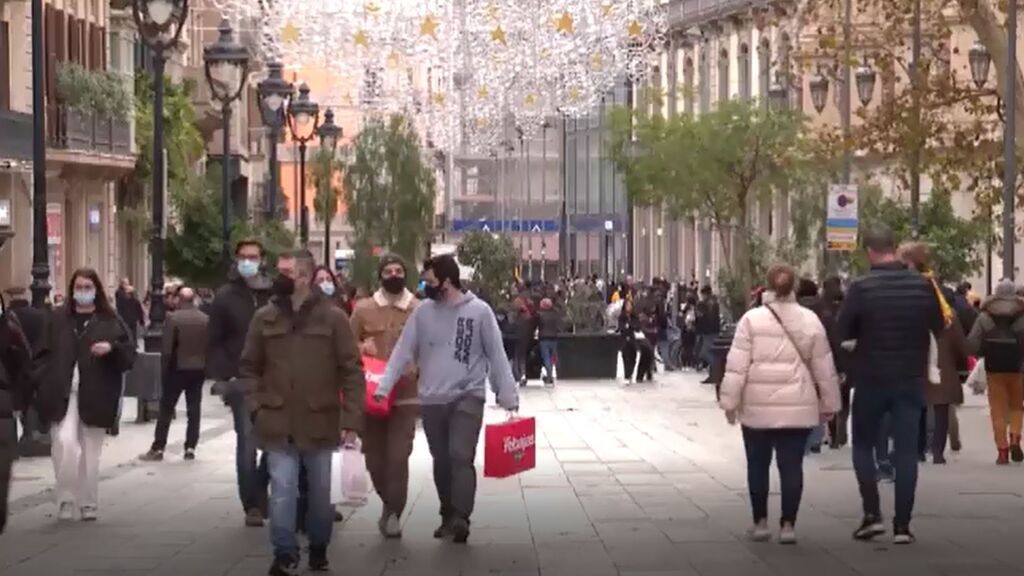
(102, 303)
(330, 273)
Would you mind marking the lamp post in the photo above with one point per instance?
(778, 95)
(227, 66)
(40, 248)
(274, 92)
(329, 133)
(160, 23)
(303, 121)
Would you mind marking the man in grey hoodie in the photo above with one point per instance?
(454, 339)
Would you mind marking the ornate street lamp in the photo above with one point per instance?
(303, 121)
(274, 93)
(819, 91)
(980, 60)
(330, 133)
(778, 96)
(227, 66)
(160, 24)
(865, 78)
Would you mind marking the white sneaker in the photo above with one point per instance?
(393, 527)
(66, 511)
(759, 533)
(89, 514)
(787, 535)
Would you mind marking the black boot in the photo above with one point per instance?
(318, 559)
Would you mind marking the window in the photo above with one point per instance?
(723, 75)
(5, 66)
(743, 68)
(764, 68)
(688, 93)
(705, 78)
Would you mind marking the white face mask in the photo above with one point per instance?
(327, 287)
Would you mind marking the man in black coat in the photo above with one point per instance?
(234, 306)
(34, 436)
(892, 313)
(16, 383)
(129, 308)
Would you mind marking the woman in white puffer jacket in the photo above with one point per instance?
(780, 382)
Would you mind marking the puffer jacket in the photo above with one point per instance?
(766, 382)
(1005, 307)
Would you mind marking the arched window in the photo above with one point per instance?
(743, 68)
(688, 85)
(723, 75)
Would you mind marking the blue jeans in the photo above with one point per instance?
(284, 466)
(548, 351)
(903, 404)
(251, 475)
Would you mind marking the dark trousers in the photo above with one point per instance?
(387, 445)
(903, 405)
(520, 359)
(837, 427)
(788, 445)
(8, 451)
(941, 431)
(189, 382)
(645, 368)
(453, 431)
(628, 359)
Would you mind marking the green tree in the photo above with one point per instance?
(323, 171)
(389, 193)
(718, 165)
(493, 258)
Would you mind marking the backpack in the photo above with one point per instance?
(1001, 348)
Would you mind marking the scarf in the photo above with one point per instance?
(947, 310)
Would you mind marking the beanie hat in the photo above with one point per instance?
(1006, 288)
(388, 259)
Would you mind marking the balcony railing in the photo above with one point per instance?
(691, 12)
(87, 132)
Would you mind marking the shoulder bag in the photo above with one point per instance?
(803, 359)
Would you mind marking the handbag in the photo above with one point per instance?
(803, 359)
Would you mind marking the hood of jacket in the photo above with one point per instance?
(1003, 306)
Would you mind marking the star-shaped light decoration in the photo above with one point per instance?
(371, 7)
(606, 8)
(498, 36)
(492, 10)
(482, 93)
(361, 39)
(429, 27)
(564, 23)
(530, 99)
(439, 99)
(597, 62)
(574, 95)
(393, 60)
(635, 29)
(290, 33)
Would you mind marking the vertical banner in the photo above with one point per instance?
(842, 220)
(55, 243)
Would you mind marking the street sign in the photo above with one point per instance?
(536, 226)
(842, 220)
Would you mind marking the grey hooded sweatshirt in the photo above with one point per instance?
(456, 347)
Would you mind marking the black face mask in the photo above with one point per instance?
(393, 285)
(433, 292)
(283, 286)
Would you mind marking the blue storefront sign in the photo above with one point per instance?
(533, 226)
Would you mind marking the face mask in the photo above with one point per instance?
(393, 285)
(85, 297)
(283, 286)
(248, 268)
(433, 292)
(327, 287)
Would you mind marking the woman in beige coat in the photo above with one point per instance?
(780, 382)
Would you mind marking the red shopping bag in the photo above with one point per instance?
(510, 447)
(374, 369)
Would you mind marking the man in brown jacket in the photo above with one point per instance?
(184, 366)
(306, 392)
(387, 442)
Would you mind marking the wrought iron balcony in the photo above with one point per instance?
(80, 131)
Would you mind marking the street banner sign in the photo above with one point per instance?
(842, 220)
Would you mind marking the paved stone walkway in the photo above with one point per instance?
(648, 480)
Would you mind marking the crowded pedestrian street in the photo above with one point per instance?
(644, 480)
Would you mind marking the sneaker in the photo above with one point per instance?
(787, 535)
(870, 527)
(284, 566)
(902, 535)
(1004, 457)
(318, 559)
(1016, 454)
(392, 526)
(66, 511)
(254, 518)
(338, 516)
(460, 530)
(190, 453)
(153, 456)
(759, 532)
(444, 530)
(955, 445)
(89, 513)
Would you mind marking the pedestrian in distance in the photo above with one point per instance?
(892, 313)
(455, 342)
(183, 356)
(629, 329)
(306, 394)
(377, 323)
(231, 313)
(780, 383)
(997, 337)
(549, 326)
(90, 350)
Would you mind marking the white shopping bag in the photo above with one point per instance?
(336, 495)
(350, 482)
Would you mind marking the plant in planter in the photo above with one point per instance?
(102, 93)
(589, 352)
(585, 310)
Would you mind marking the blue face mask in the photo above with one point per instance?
(327, 287)
(248, 268)
(85, 297)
